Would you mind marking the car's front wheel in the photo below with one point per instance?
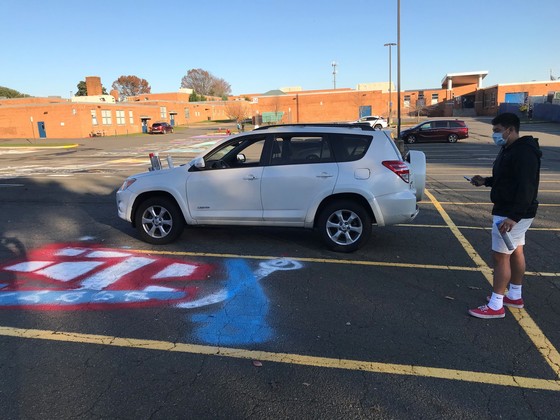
(159, 221)
(377, 127)
(452, 138)
(344, 226)
(411, 138)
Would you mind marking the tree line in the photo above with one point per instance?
(202, 82)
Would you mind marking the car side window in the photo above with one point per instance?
(426, 126)
(440, 124)
(348, 148)
(300, 149)
(455, 124)
(243, 152)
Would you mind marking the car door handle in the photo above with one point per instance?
(324, 175)
(249, 178)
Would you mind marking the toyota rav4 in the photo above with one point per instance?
(339, 179)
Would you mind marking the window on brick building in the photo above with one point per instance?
(131, 117)
(120, 117)
(106, 117)
(94, 117)
(407, 101)
(435, 98)
(187, 113)
(163, 112)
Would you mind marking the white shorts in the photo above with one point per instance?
(517, 234)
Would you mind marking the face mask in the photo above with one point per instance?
(498, 139)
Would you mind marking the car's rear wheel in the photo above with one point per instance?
(344, 226)
(452, 138)
(159, 221)
(377, 127)
(411, 138)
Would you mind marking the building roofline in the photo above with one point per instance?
(534, 82)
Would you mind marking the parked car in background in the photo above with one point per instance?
(375, 121)
(338, 179)
(436, 130)
(161, 128)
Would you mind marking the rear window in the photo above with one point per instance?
(347, 147)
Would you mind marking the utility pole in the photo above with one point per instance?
(334, 64)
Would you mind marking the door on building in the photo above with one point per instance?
(42, 130)
(365, 110)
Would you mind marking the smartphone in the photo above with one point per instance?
(467, 178)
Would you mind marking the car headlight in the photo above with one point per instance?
(127, 183)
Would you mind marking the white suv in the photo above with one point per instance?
(336, 178)
(375, 121)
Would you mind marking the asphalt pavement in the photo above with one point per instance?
(268, 323)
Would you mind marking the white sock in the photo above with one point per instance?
(514, 291)
(496, 302)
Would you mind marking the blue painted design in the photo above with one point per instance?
(241, 318)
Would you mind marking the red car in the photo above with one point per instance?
(436, 130)
(161, 127)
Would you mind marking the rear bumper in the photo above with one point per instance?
(397, 208)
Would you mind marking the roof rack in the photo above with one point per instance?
(363, 126)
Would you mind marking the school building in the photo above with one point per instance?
(460, 95)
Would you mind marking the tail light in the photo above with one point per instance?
(398, 167)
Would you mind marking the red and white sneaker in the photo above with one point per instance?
(512, 303)
(486, 312)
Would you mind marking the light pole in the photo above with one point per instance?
(333, 64)
(399, 69)
(390, 45)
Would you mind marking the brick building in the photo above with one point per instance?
(460, 94)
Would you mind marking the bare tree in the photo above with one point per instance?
(237, 110)
(205, 83)
(131, 86)
(220, 88)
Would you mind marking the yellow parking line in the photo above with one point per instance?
(545, 347)
(331, 261)
(479, 190)
(130, 160)
(409, 225)
(288, 358)
(487, 203)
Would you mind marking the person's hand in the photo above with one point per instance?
(506, 225)
(478, 180)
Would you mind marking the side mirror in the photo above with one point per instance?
(241, 158)
(199, 163)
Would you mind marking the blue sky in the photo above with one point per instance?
(259, 45)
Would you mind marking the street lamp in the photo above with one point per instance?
(390, 44)
(333, 64)
(398, 69)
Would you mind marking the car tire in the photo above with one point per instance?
(344, 226)
(377, 127)
(159, 221)
(452, 138)
(411, 139)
